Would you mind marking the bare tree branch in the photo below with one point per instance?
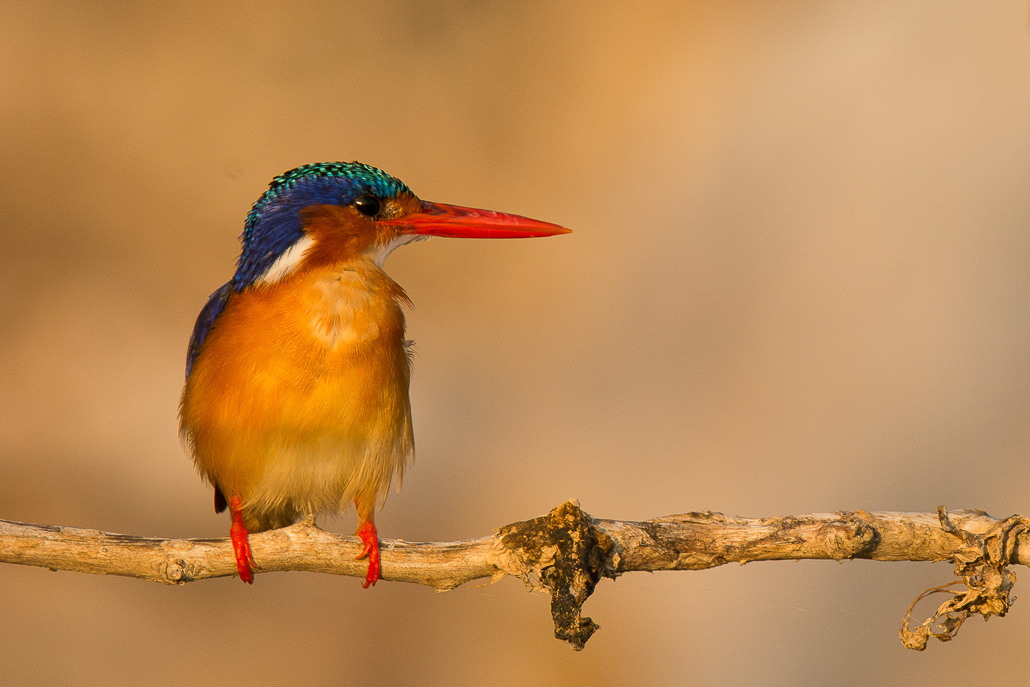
(567, 552)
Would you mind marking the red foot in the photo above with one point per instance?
(370, 538)
(240, 544)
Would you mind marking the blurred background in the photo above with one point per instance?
(798, 283)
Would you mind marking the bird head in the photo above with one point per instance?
(330, 212)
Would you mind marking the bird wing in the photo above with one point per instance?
(207, 318)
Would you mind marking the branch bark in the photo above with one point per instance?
(566, 552)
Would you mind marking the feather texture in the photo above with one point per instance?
(298, 402)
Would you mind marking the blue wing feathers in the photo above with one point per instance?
(207, 318)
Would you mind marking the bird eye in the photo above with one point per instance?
(367, 205)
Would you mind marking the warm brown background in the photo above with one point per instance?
(799, 281)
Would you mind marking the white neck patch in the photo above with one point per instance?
(287, 262)
(394, 244)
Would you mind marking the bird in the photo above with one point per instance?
(296, 397)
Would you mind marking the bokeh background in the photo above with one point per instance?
(798, 282)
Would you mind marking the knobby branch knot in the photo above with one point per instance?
(982, 561)
(566, 553)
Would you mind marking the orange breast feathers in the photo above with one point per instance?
(298, 402)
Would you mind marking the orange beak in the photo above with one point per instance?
(437, 219)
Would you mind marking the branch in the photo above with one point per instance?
(567, 552)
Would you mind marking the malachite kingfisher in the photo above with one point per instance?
(296, 395)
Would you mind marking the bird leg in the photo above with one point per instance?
(370, 538)
(240, 543)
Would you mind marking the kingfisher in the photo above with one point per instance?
(297, 372)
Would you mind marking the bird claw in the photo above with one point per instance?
(370, 538)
